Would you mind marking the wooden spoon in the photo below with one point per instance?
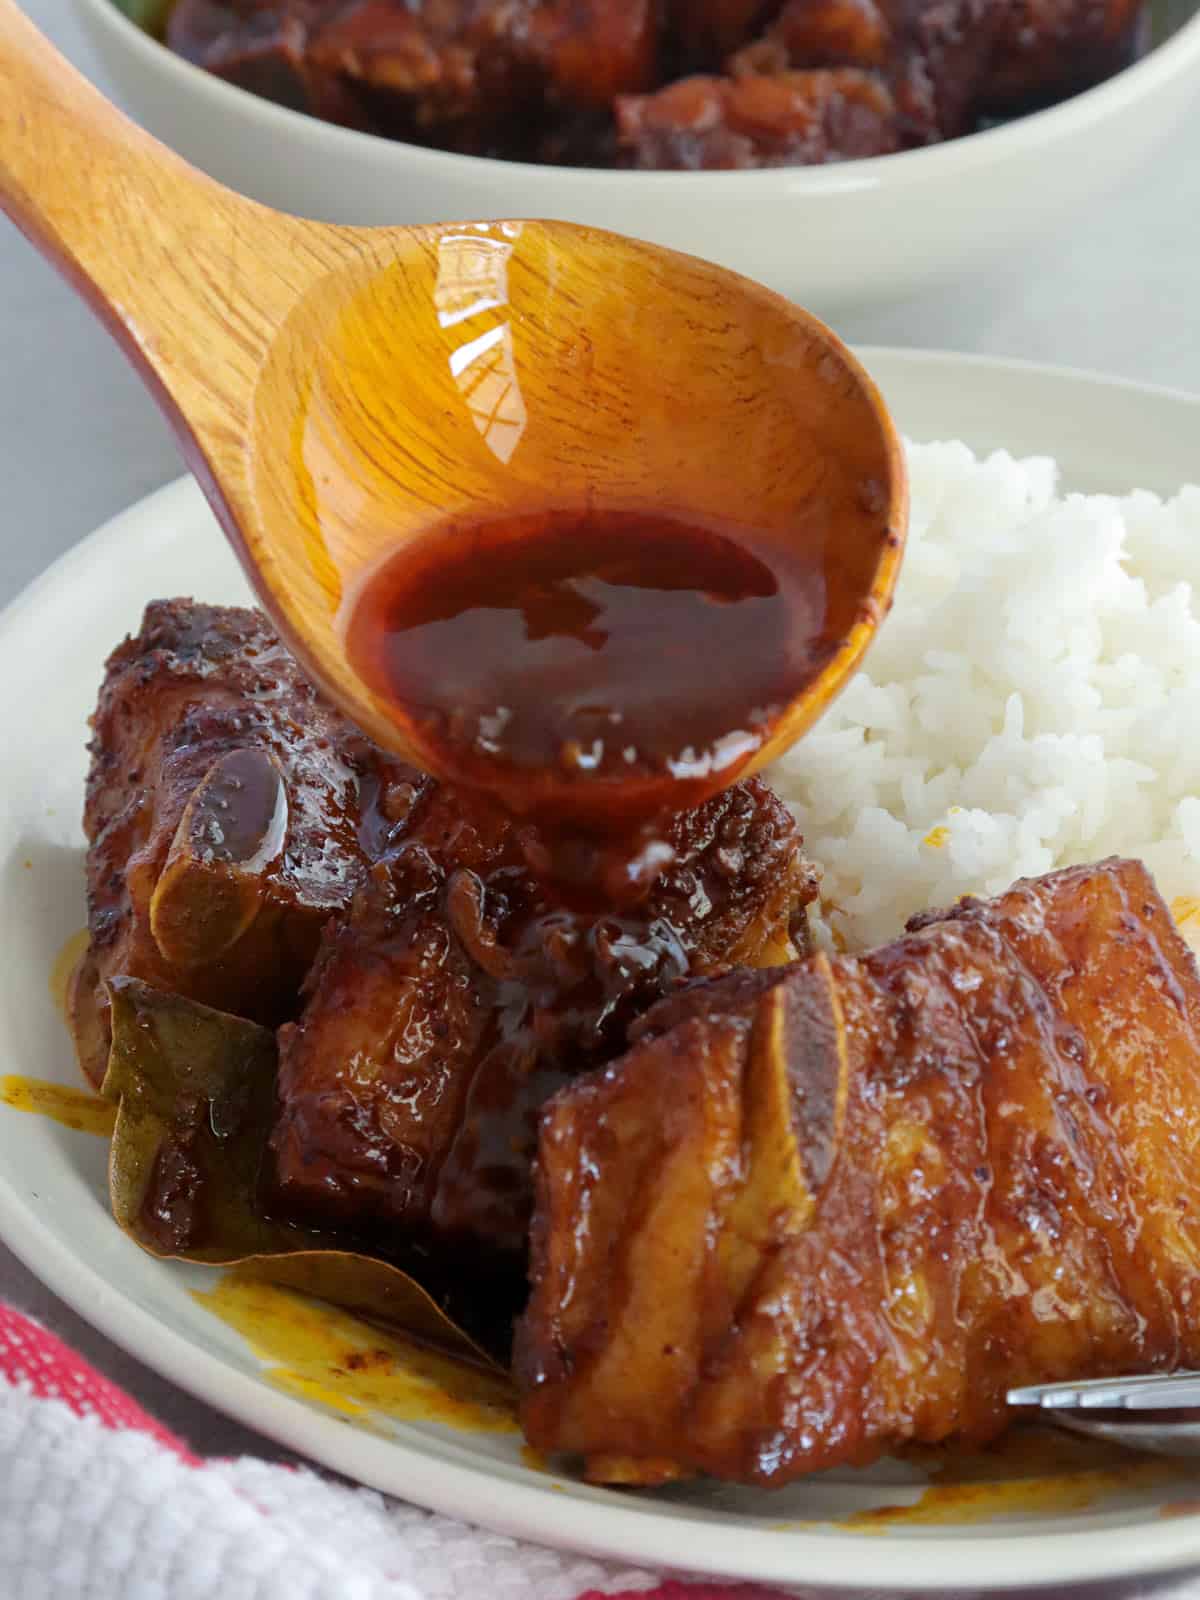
(337, 390)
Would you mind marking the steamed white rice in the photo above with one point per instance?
(1033, 700)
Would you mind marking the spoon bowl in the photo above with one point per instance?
(536, 367)
(339, 392)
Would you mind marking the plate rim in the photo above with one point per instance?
(829, 1556)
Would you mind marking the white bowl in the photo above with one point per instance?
(835, 237)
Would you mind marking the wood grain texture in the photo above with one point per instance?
(337, 391)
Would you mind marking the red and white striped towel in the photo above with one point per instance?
(99, 1502)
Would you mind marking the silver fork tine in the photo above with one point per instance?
(1152, 1391)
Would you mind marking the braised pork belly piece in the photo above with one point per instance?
(786, 119)
(469, 75)
(816, 1214)
(230, 811)
(459, 995)
(655, 83)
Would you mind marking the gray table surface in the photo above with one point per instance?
(79, 440)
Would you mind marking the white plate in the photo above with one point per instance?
(52, 1204)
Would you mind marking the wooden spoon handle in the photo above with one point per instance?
(150, 242)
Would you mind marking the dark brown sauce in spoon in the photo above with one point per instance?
(593, 671)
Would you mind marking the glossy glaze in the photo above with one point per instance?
(1012, 1196)
(541, 79)
(241, 827)
(230, 809)
(460, 993)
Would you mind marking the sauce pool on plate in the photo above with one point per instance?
(74, 1108)
(331, 1357)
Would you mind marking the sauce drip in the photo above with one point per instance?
(74, 1108)
(598, 667)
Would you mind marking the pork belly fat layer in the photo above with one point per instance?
(846, 1206)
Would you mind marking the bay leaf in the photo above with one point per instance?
(195, 1090)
